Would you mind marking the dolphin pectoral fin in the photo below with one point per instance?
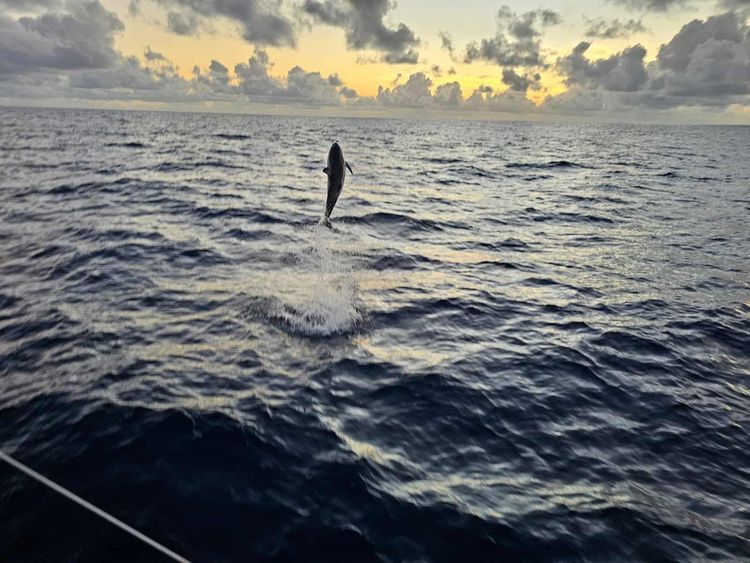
(350, 168)
(325, 170)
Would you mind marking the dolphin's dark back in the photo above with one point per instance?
(336, 173)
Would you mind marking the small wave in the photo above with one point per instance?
(398, 262)
(444, 160)
(232, 136)
(469, 171)
(508, 244)
(7, 301)
(385, 218)
(236, 213)
(566, 217)
(244, 234)
(549, 164)
(127, 145)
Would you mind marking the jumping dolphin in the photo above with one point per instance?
(336, 171)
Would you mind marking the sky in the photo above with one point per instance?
(614, 60)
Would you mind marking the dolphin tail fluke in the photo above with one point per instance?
(350, 168)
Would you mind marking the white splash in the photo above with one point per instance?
(325, 302)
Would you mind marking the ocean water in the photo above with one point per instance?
(518, 342)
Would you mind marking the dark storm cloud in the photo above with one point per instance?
(622, 72)
(364, 24)
(614, 28)
(517, 41)
(521, 83)
(80, 39)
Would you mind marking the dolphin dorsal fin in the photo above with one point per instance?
(350, 168)
(325, 170)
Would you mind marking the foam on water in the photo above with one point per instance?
(327, 302)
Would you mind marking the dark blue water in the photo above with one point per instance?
(519, 341)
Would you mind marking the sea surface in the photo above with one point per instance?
(520, 341)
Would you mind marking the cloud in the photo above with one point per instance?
(261, 22)
(446, 42)
(521, 83)
(621, 72)
(254, 78)
(29, 5)
(509, 101)
(448, 95)
(71, 54)
(677, 54)
(300, 86)
(415, 92)
(614, 28)
(652, 5)
(152, 56)
(365, 28)
(183, 24)
(707, 63)
(740, 5)
(218, 68)
(517, 41)
(127, 74)
(214, 81)
(80, 39)
(706, 58)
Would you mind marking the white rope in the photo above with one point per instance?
(98, 511)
